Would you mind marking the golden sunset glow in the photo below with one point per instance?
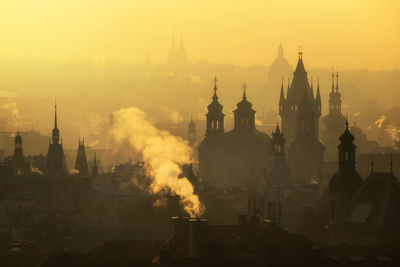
(352, 33)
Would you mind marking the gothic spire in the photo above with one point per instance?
(337, 81)
(318, 97)
(55, 115)
(282, 97)
(333, 80)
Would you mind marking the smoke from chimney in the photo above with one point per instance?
(163, 154)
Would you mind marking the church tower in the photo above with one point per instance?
(289, 105)
(215, 117)
(306, 153)
(81, 162)
(280, 176)
(17, 162)
(346, 181)
(333, 122)
(244, 115)
(192, 132)
(55, 160)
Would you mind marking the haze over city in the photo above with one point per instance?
(192, 133)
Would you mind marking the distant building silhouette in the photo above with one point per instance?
(280, 175)
(279, 67)
(192, 132)
(346, 180)
(237, 157)
(289, 105)
(333, 122)
(177, 55)
(55, 160)
(18, 163)
(305, 152)
(81, 162)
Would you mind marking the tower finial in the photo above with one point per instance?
(333, 79)
(300, 52)
(215, 83)
(55, 113)
(244, 91)
(347, 122)
(337, 79)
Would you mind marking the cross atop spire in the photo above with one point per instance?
(300, 52)
(215, 83)
(244, 91)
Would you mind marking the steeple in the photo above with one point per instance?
(215, 117)
(318, 98)
(282, 96)
(333, 80)
(280, 175)
(94, 168)
(337, 81)
(244, 114)
(346, 178)
(56, 132)
(81, 162)
(18, 152)
(191, 132)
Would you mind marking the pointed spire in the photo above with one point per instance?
(347, 123)
(337, 80)
(277, 130)
(55, 114)
(244, 91)
(300, 52)
(312, 87)
(282, 97)
(288, 86)
(318, 97)
(215, 97)
(333, 80)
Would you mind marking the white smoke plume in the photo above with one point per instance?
(162, 152)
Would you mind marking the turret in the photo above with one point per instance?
(244, 114)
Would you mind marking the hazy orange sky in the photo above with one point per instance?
(348, 33)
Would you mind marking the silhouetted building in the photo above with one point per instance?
(289, 105)
(177, 55)
(305, 152)
(18, 162)
(55, 160)
(333, 122)
(280, 175)
(237, 157)
(81, 162)
(346, 180)
(372, 217)
(279, 68)
(192, 132)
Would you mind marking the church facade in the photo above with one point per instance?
(239, 157)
